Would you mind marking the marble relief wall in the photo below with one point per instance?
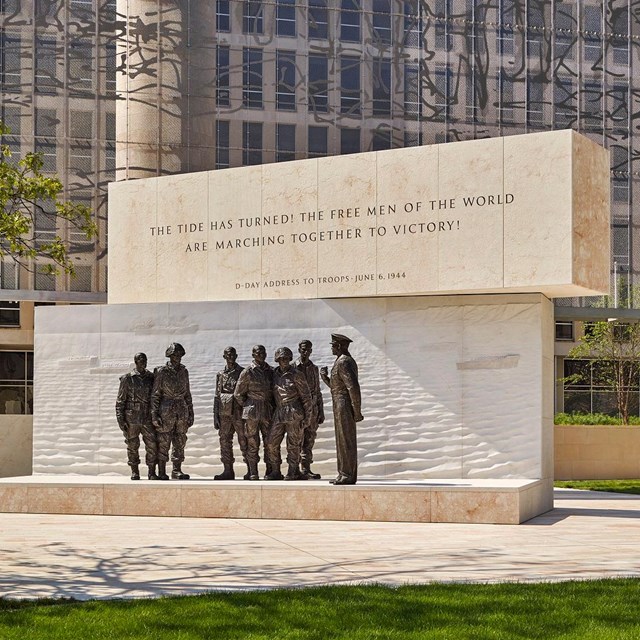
(453, 387)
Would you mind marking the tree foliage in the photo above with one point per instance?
(614, 348)
(26, 193)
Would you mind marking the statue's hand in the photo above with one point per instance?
(123, 426)
(358, 417)
(157, 422)
(190, 421)
(324, 371)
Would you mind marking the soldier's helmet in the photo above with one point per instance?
(283, 352)
(175, 347)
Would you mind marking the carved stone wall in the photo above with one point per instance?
(453, 387)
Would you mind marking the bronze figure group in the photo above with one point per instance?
(157, 405)
(256, 403)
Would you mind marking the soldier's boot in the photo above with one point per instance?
(135, 472)
(268, 470)
(252, 474)
(294, 473)
(247, 476)
(162, 471)
(274, 474)
(152, 472)
(307, 473)
(227, 474)
(177, 473)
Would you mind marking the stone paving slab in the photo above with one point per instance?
(587, 535)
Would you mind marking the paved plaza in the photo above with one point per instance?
(587, 535)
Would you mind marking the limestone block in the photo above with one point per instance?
(519, 214)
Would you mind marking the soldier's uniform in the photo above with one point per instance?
(133, 412)
(171, 402)
(228, 415)
(293, 404)
(254, 393)
(345, 393)
(312, 376)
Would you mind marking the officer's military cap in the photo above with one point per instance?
(338, 337)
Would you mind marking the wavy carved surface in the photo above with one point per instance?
(425, 416)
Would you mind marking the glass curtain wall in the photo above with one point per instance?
(58, 93)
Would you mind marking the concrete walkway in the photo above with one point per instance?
(588, 535)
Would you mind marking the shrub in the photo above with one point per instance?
(591, 418)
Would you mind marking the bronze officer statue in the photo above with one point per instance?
(312, 375)
(255, 394)
(172, 411)
(294, 408)
(227, 414)
(345, 393)
(133, 412)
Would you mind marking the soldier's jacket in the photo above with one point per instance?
(254, 392)
(171, 385)
(224, 403)
(344, 381)
(312, 374)
(133, 404)
(292, 396)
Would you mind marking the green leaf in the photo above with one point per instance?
(25, 193)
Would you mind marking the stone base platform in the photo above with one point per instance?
(460, 501)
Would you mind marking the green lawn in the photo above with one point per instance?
(614, 486)
(601, 609)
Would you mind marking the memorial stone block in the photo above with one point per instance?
(524, 213)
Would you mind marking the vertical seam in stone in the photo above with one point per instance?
(317, 161)
(261, 234)
(438, 239)
(375, 199)
(503, 219)
(462, 381)
(157, 185)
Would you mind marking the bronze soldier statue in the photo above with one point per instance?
(133, 412)
(227, 414)
(294, 408)
(345, 393)
(255, 394)
(312, 375)
(172, 411)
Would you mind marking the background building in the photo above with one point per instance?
(205, 84)
(217, 84)
(57, 84)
